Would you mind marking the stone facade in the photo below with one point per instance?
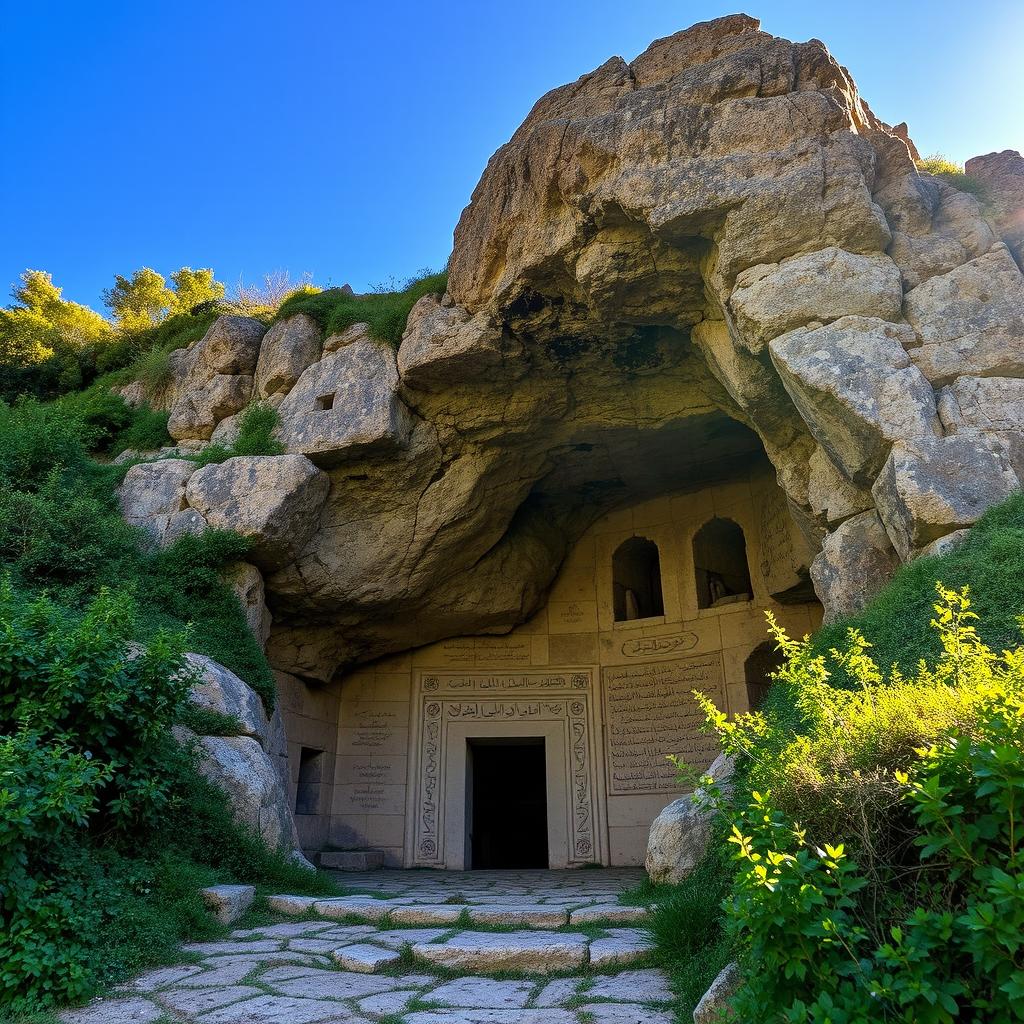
(610, 698)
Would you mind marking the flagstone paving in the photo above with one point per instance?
(420, 947)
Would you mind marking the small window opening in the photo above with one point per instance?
(311, 767)
(761, 663)
(720, 562)
(636, 580)
(325, 402)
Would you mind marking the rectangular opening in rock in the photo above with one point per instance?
(506, 797)
(325, 402)
(307, 795)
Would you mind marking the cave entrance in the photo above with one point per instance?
(506, 791)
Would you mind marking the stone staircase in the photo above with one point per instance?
(422, 947)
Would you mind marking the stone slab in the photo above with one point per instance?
(539, 952)
(481, 992)
(364, 958)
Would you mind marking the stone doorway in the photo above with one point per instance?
(506, 803)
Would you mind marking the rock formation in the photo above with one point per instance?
(711, 254)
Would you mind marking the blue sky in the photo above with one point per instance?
(343, 139)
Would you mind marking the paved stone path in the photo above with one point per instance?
(419, 947)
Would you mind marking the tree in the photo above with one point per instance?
(194, 287)
(140, 301)
(46, 342)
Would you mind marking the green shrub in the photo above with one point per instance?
(255, 437)
(133, 348)
(953, 174)
(386, 312)
(919, 919)
(147, 431)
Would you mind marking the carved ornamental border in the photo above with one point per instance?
(540, 696)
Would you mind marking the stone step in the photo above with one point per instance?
(412, 912)
(351, 860)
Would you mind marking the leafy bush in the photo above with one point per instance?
(255, 437)
(953, 174)
(386, 312)
(920, 920)
(107, 831)
(61, 529)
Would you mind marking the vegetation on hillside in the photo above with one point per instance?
(106, 830)
(876, 864)
(385, 311)
(953, 174)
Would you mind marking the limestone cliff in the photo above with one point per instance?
(676, 265)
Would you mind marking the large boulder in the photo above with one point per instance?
(287, 349)
(152, 496)
(932, 486)
(249, 767)
(856, 560)
(214, 378)
(215, 688)
(240, 767)
(1002, 176)
(273, 500)
(346, 405)
(994, 405)
(443, 344)
(856, 389)
(825, 285)
(680, 835)
(971, 320)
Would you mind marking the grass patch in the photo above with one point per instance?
(255, 437)
(953, 174)
(386, 312)
(688, 927)
(897, 620)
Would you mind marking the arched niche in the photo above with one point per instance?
(720, 564)
(636, 580)
(762, 661)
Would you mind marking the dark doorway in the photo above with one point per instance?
(636, 580)
(508, 803)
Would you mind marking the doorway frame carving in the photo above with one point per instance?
(451, 708)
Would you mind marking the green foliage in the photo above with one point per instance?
(687, 925)
(47, 344)
(952, 173)
(139, 301)
(386, 312)
(146, 352)
(61, 529)
(919, 917)
(255, 437)
(989, 561)
(194, 288)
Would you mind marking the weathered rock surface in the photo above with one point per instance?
(681, 833)
(247, 583)
(971, 320)
(346, 405)
(240, 767)
(287, 349)
(218, 689)
(713, 1007)
(930, 487)
(152, 495)
(856, 560)
(213, 379)
(1002, 175)
(824, 286)
(443, 345)
(675, 265)
(856, 389)
(229, 902)
(274, 500)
